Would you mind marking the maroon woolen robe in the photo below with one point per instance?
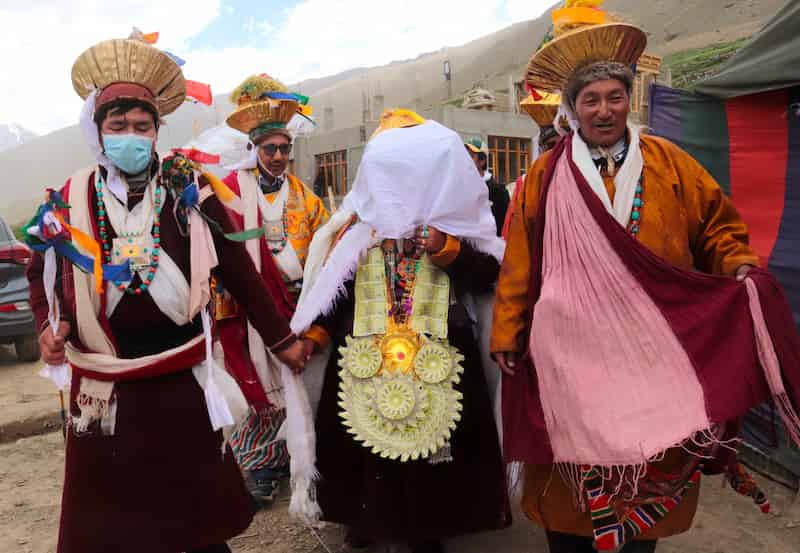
(161, 483)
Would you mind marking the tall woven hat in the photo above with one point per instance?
(130, 68)
(582, 34)
(542, 109)
(264, 106)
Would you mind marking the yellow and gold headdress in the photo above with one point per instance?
(130, 68)
(264, 106)
(398, 118)
(582, 34)
(543, 109)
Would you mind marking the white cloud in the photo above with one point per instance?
(320, 37)
(254, 26)
(265, 27)
(42, 38)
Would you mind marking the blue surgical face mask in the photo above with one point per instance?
(131, 153)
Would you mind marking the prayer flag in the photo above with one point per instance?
(200, 92)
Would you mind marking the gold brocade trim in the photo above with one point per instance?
(431, 300)
(371, 310)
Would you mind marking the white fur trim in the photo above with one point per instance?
(329, 284)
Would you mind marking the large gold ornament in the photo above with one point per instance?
(409, 407)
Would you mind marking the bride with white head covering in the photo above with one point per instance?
(405, 416)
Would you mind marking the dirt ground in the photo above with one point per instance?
(31, 475)
(29, 404)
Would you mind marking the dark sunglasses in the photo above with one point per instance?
(271, 149)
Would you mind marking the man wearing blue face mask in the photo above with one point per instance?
(147, 468)
(128, 128)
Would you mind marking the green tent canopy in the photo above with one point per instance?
(770, 61)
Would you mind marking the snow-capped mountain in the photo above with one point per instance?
(12, 135)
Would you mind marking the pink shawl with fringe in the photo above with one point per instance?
(724, 346)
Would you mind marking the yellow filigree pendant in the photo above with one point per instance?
(398, 349)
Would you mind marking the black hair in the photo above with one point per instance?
(598, 71)
(122, 106)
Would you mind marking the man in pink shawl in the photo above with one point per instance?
(626, 271)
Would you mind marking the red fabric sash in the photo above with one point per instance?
(709, 315)
(233, 332)
(178, 362)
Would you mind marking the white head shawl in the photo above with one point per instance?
(408, 177)
(566, 112)
(423, 176)
(92, 136)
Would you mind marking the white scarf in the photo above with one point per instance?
(282, 387)
(169, 288)
(626, 180)
(267, 367)
(286, 259)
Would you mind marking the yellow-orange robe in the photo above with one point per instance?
(305, 213)
(688, 221)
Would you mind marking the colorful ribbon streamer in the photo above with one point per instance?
(52, 231)
(115, 273)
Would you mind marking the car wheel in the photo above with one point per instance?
(27, 349)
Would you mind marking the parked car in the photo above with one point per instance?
(16, 317)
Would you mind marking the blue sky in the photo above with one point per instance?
(223, 41)
(243, 23)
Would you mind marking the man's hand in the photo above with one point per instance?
(309, 347)
(294, 356)
(429, 239)
(52, 346)
(507, 360)
(741, 272)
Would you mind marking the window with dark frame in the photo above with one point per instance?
(509, 157)
(333, 167)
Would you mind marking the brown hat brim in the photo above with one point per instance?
(130, 61)
(250, 116)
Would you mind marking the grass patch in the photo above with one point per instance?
(692, 66)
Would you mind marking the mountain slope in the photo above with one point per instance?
(12, 135)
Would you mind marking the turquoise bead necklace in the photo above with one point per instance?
(106, 245)
(634, 224)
